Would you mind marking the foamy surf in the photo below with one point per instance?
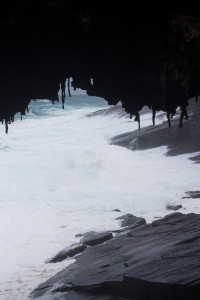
(59, 177)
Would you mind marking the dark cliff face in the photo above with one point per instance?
(138, 52)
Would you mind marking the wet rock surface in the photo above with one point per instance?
(117, 111)
(160, 260)
(91, 238)
(179, 140)
(196, 159)
(68, 252)
(192, 194)
(174, 207)
(95, 238)
(131, 221)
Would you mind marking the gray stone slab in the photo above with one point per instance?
(155, 261)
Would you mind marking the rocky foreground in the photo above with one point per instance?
(160, 260)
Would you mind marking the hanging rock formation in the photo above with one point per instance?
(139, 52)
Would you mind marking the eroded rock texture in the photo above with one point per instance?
(139, 52)
(153, 261)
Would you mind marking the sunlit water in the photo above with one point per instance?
(59, 177)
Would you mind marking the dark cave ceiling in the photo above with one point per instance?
(141, 53)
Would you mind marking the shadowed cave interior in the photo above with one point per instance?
(137, 52)
(142, 53)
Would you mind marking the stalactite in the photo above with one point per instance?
(68, 84)
(6, 126)
(63, 104)
(153, 116)
(168, 119)
(63, 86)
(184, 113)
(63, 101)
(137, 119)
(181, 120)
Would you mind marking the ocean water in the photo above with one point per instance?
(60, 177)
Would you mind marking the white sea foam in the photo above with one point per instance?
(59, 177)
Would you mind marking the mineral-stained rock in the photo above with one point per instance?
(155, 261)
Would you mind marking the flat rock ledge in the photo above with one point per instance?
(90, 238)
(178, 140)
(157, 261)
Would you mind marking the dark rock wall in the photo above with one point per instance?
(138, 52)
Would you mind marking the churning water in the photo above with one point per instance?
(59, 177)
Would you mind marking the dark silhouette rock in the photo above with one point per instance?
(146, 53)
(94, 238)
(79, 235)
(68, 252)
(90, 238)
(174, 207)
(195, 158)
(155, 261)
(131, 221)
(192, 194)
